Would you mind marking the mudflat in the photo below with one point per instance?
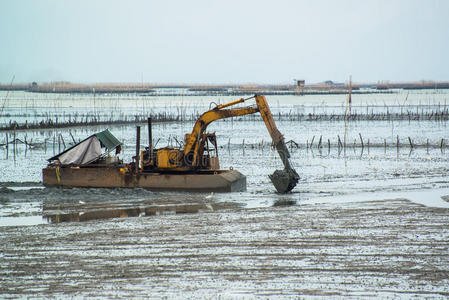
(390, 248)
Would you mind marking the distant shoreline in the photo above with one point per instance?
(147, 89)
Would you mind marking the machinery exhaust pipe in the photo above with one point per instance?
(150, 137)
(137, 148)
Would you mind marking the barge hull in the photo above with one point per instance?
(111, 177)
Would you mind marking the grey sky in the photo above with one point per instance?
(200, 41)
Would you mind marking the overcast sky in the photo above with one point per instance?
(233, 41)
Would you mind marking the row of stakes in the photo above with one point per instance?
(441, 114)
(58, 141)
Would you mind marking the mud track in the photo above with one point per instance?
(391, 248)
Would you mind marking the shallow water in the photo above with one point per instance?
(362, 222)
(244, 144)
(325, 176)
(28, 107)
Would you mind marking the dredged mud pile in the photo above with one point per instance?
(392, 248)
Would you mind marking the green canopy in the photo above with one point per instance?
(109, 141)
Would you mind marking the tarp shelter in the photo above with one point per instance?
(87, 150)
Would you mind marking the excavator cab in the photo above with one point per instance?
(210, 152)
(207, 158)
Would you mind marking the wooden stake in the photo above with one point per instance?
(62, 139)
(411, 143)
(72, 136)
(14, 142)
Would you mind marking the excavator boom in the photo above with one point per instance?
(192, 143)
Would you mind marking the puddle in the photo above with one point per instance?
(24, 188)
(428, 197)
(22, 221)
(116, 212)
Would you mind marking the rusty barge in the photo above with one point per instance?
(112, 177)
(194, 166)
(85, 165)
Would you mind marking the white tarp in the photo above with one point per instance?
(83, 153)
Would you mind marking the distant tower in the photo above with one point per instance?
(299, 85)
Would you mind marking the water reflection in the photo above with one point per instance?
(56, 215)
(284, 202)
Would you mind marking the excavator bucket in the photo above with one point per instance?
(284, 180)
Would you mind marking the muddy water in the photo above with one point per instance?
(366, 222)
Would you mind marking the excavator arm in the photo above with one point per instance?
(283, 180)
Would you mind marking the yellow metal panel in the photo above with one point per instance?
(168, 158)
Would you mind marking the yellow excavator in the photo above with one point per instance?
(200, 151)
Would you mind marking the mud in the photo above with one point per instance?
(391, 248)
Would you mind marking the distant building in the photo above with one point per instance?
(300, 83)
